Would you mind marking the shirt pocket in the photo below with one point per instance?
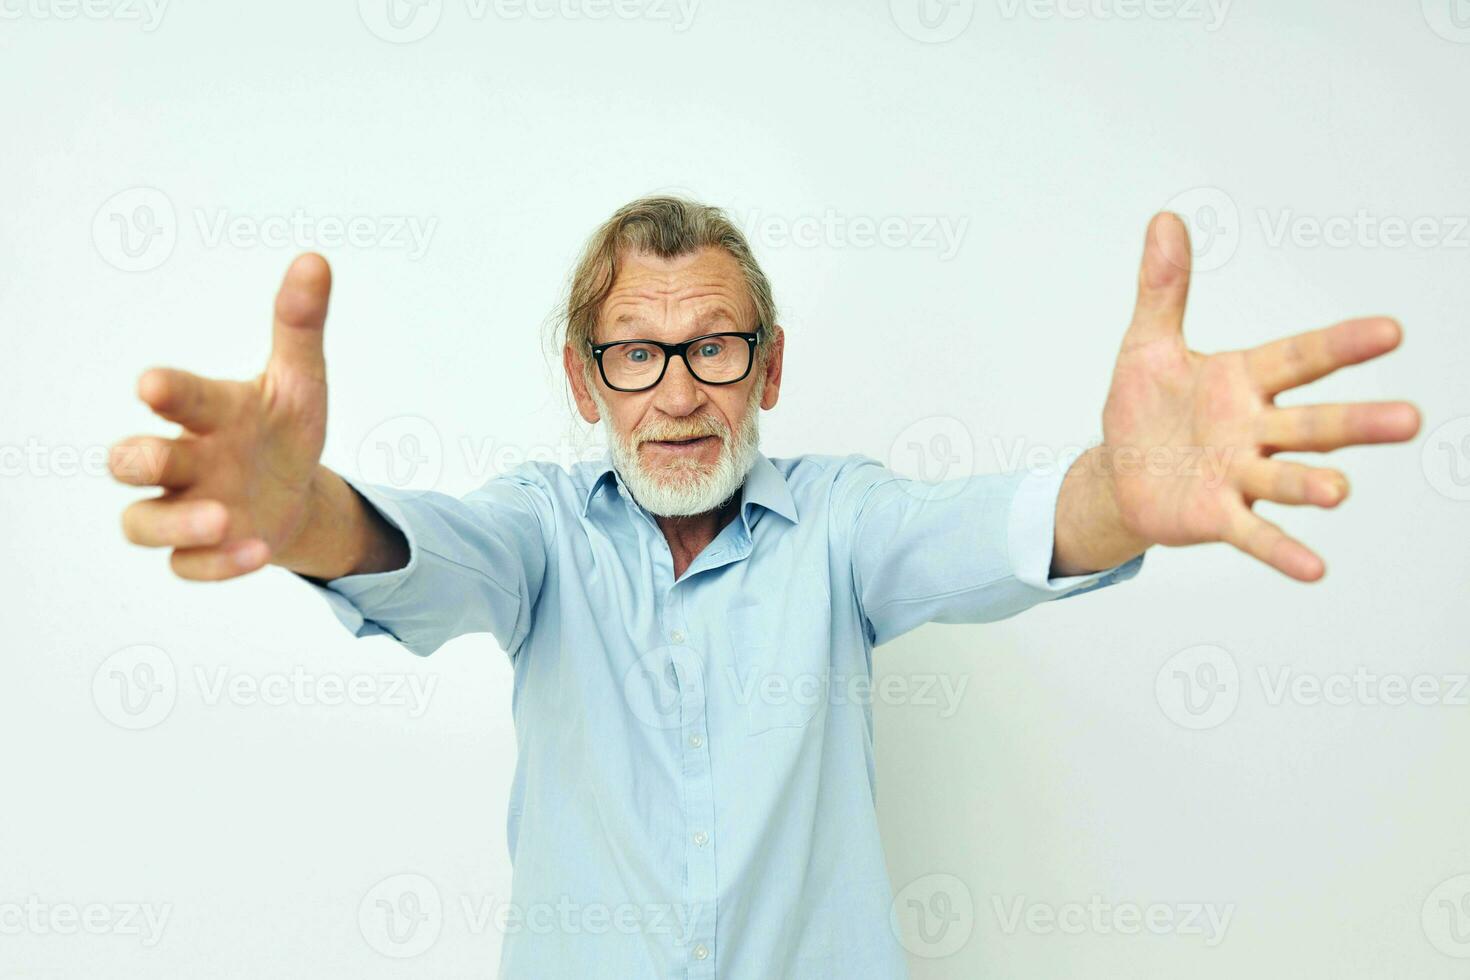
(781, 657)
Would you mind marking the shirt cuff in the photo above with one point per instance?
(1031, 540)
(348, 595)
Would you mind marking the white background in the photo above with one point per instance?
(1332, 834)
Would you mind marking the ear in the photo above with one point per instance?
(586, 407)
(773, 368)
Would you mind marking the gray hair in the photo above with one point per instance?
(666, 227)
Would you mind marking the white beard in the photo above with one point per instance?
(685, 488)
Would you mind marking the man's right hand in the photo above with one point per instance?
(242, 483)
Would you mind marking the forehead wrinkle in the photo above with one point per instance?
(650, 294)
(677, 313)
(689, 293)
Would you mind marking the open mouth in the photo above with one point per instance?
(692, 442)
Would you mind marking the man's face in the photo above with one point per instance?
(683, 442)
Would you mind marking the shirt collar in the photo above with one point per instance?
(764, 486)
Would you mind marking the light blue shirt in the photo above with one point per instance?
(694, 787)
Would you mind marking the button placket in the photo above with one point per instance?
(699, 851)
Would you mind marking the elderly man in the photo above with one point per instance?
(679, 615)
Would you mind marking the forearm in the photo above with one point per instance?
(342, 534)
(1090, 532)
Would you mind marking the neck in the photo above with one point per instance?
(688, 536)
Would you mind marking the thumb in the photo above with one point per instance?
(1163, 280)
(301, 313)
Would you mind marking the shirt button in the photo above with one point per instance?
(677, 636)
(696, 740)
(701, 838)
(701, 952)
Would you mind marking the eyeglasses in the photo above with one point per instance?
(714, 359)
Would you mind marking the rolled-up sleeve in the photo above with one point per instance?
(969, 550)
(476, 565)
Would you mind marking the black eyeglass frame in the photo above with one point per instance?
(677, 350)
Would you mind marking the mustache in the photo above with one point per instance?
(686, 430)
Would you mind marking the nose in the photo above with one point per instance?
(679, 393)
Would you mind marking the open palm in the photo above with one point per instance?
(1192, 438)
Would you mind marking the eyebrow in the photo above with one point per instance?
(703, 325)
(704, 319)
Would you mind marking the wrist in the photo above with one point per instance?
(1128, 530)
(1092, 531)
(318, 529)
